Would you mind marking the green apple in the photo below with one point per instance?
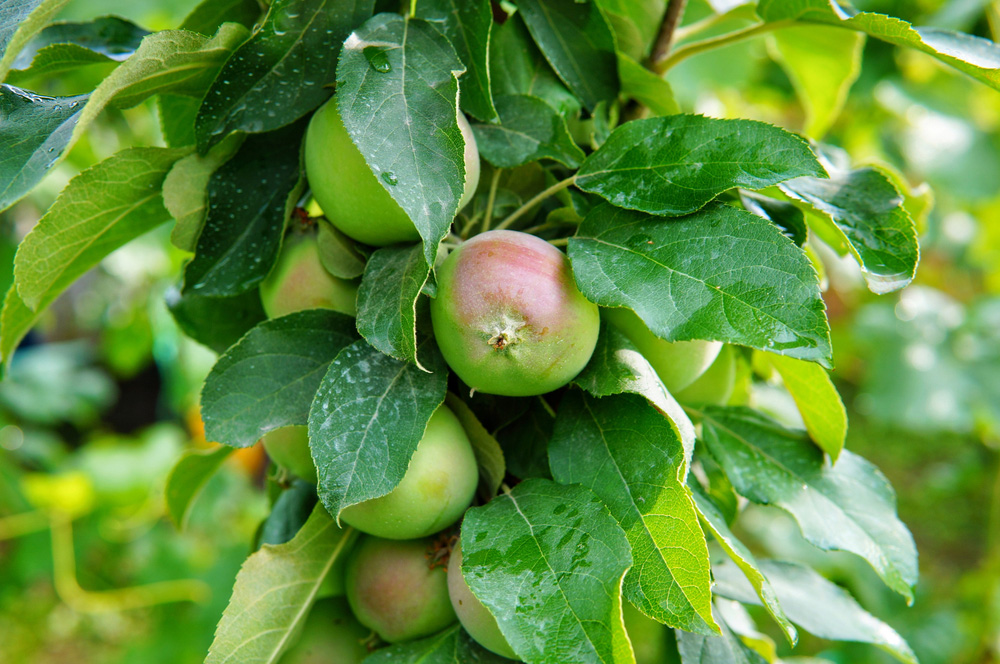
(331, 634)
(299, 281)
(677, 363)
(351, 196)
(508, 316)
(394, 591)
(289, 448)
(474, 616)
(716, 385)
(435, 491)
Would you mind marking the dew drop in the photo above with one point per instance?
(390, 178)
(377, 58)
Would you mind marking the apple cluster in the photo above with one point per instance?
(509, 320)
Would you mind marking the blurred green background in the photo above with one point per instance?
(102, 399)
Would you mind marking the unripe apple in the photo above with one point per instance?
(393, 589)
(715, 385)
(289, 448)
(331, 634)
(474, 616)
(299, 281)
(508, 316)
(678, 363)
(351, 196)
(435, 491)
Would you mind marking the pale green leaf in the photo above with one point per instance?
(20, 20)
(188, 477)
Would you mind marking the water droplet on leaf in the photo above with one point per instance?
(378, 59)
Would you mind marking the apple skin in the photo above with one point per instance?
(716, 385)
(393, 590)
(474, 616)
(435, 491)
(289, 447)
(299, 281)
(677, 363)
(351, 196)
(508, 316)
(331, 634)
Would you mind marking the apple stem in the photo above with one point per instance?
(711, 43)
(559, 242)
(554, 189)
(491, 200)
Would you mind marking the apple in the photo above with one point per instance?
(474, 616)
(299, 281)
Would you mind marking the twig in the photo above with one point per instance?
(554, 189)
(491, 199)
(695, 48)
(661, 49)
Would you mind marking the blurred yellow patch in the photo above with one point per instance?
(71, 494)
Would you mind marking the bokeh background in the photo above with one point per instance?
(102, 399)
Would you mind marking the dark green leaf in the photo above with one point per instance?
(714, 520)
(187, 478)
(284, 71)
(290, 512)
(577, 41)
(868, 211)
(721, 274)
(788, 217)
(216, 322)
(391, 67)
(452, 646)
(627, 453)
(675, 165)
(518, 67)
(269, 378)
(849, 506)
(249, 199)
(647, 88)
(529, 129)
(975, 56)
(525, 441)
(369, 414)
(467, 25)
(387, 300)
(210, 14)
(617, 367)
(547, 555)
(110, 37)
(636, 24)
(275, 589)
(34, 131)
(819, 606)
(20, 20)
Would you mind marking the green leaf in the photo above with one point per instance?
(274, 591)
(111, 37)
(100, 210)
(338, 253)
(645, 87)
(529, 129)
(210, 14)
(785, 215)
(577, 41)
(868, 213)
(817, 399)
(677, 164)
(20, 20)
(176, 114)
(848, 506)
(452, 646)
(57, 59)
(187, 478)
(216, 322)
(617, 367)
(518, 67)
(391, 67)
(33, 132)
(250, 198)
(369, 414)
(721, 274)
(467, 25)
(975, 56)
(387, 300)
(291, 511)
(16, 321)
(489, 456)
(185, 195)
(725, 649)
(819, 606)
(630, 456)
(282, 72)
(822, 63)
(714, 520)
(171, 61)
(525, 441)
(635, 23)
(548, 561)
(269, 378)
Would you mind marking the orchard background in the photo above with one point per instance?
(122, 529)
